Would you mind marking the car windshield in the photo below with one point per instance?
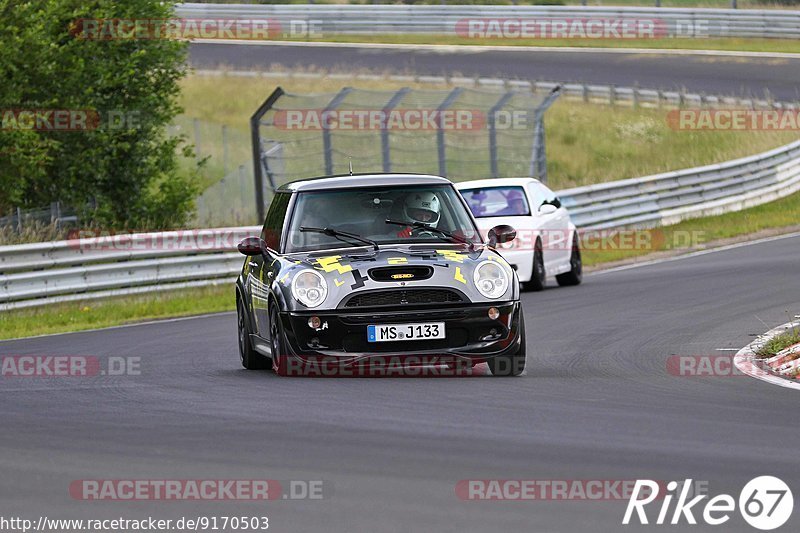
(364, 211)
(496, 201)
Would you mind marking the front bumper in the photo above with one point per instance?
(342, 336)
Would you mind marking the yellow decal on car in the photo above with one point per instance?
(331, 263)
(284, 278)
(397, 260)
(337, 282)
(402, 276)
(452, 255)
(459, 277)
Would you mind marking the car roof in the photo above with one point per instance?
(346, 181)
(495, 182)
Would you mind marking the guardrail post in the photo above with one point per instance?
(326, 133)
(493, 132)
(385, 149)
(440, 131)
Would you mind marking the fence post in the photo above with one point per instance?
(224, 149)
(493, 133)
(326, 133)
(255, 141)
(538, 168)
(197, 147)
(385, 149)
(440, 132)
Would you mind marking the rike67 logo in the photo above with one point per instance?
(765, 503)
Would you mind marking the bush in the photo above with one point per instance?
(126, 174)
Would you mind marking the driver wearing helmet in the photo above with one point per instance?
(422, 207)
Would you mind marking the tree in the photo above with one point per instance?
(122, 169)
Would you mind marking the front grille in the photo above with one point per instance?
(404, 297)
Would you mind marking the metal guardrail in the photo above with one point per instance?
(91, 267)
(450, 20)
(668, 198)
(588, 92)
(42, 273)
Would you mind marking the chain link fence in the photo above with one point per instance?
(459, 133)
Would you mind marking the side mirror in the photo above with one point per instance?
(501, 234)
(547, 209)
(252, 246)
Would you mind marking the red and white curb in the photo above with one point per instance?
(778, 369)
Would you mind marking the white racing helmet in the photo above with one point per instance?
(422, 207)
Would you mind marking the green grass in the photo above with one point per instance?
(700, 231)
(90, 314)
(586, 142)
(722, 44)
(778, 343)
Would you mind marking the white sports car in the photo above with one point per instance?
(547, 242)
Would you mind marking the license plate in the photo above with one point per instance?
(405, 332)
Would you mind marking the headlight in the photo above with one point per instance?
(491, 279)
(309, 288)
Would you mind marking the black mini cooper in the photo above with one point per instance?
(367, 269)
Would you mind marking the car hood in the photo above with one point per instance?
(403, 268)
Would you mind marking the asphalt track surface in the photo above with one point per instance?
(740, 76)
(596, 403)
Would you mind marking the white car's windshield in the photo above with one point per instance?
(496, 201)
(364, 212)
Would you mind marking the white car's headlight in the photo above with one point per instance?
(309, 288)
(491, 279)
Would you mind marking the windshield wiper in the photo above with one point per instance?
(441, 232)
(342, 235)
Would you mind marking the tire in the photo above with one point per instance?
(538, 275)
(280, 359)
(514, 364)
(250, 359)
(575, 275)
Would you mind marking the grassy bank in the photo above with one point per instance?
(586, 143)
(778, 343)
(697, 233)
(101, 313)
